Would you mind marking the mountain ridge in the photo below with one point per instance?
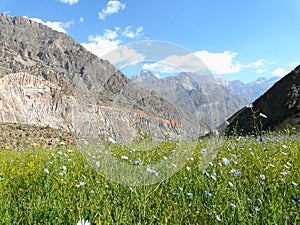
(249, 90)
(254, 89)
(199, 94)
(277, 109)
(77, 87)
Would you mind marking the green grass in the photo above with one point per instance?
(248, 182)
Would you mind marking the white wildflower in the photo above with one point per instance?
(263, 115)
(83, 222)
(262, 176)
(250, 105)
(152, 171)
(225, 161)
(232, 205)
(81, 184)
(111, 140)
(124, 157)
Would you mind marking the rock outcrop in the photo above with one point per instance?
(277, 109)
(30, 99)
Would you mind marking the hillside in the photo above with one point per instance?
(278, 108)
(24, 136)
(48, 79)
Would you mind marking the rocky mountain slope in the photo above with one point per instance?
(46, 78)
(278, 108)
(201, 95)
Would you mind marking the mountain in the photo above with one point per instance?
(144, 77)
(201, 95)
(46, 78)
(252, 90)
(278, 108)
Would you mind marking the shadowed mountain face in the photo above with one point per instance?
(201, 95)
(278, 108)
(47, 78)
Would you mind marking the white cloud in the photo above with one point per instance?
(124, 56)
(132, 34)
(279, 72)
(100, 45)
(70, 2)
(81, 19)
(112, 7)
(139, 30)
(110, 49)
(128, 33)
(255, 64)
(58, 26)
(110, 40)
(198, 62)
(260, 71)
(111, 34)
(175, 64)
(220, 63)
(161, 68)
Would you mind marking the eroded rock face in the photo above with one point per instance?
(278, 108)
(30, 99)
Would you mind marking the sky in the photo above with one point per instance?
(234, 39)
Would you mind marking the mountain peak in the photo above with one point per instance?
(145, 76)
(18, 20)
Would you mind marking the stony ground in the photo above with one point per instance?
(22, 136)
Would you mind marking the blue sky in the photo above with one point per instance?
(235, 39)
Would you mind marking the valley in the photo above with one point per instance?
(82, 143)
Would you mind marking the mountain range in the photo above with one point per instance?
(48, 79)
(253, 89)
(212, 99)
(277, 109)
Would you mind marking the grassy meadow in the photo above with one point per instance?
(250, 181)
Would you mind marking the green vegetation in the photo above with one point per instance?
(250, 181)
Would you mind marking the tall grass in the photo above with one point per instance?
(250, 181)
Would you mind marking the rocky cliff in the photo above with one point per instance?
(29, 99)
(278, 108)
(46, 78)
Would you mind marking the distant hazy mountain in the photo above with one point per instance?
(203, 96)
(145, 77)
(277, 108)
